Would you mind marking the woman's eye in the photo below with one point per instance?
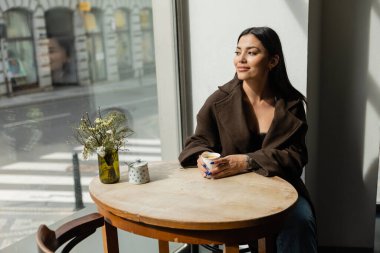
(237, 53)
(252, 53)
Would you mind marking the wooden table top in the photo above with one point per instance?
(182, 198)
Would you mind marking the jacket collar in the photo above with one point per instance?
(284, 124)
(229, 113)
(230, 86)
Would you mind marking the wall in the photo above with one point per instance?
(344, 162)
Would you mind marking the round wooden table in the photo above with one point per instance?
(180, 205)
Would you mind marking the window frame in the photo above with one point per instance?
(165, 43)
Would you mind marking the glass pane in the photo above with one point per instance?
(148, 47)
(96, 58)
(121, 20)
(92, 21)
(148, 41)
(21, 63)
(123, 46)
(36, 137)
(124, 55)
(18, 24)
(146, 19)
(59, 22)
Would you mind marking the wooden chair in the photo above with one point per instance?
(72, 233)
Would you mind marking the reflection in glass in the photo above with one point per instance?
(96, 57)
(147, 40)
(123, 44)
(21, 61)
(59, 27)
(18, 24)
(22, 52)
(91, 22)
(95, 45)
(62, 61)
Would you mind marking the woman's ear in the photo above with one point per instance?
(274, 61)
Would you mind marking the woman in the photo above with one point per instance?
(257, 123)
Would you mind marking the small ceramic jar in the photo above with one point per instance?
(138, 172)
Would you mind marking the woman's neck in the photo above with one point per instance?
(257, 92)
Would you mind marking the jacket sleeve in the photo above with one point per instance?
(205, 137)
(287, 160)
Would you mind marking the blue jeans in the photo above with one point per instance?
(299, 231)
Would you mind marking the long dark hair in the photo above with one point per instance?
(278, 77)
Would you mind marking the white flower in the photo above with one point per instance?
(89, 140)
(101, 151)
(109, 132)
(97, 121)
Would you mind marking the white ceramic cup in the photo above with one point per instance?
(209, 157)
(138, 172)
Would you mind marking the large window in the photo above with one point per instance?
(36, 137)
(93, 22)
(123, 43)
(21, 65)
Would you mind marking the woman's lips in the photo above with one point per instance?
(242, 69)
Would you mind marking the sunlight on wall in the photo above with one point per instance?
(371, 145)
(372, 120)
(298, 8)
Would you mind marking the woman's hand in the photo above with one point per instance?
(229, 166)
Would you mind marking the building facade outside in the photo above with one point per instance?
(48, 43)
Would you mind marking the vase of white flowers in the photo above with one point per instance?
(105, 136)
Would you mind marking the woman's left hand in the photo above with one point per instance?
(229, 166)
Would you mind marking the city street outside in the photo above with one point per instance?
(36, 172)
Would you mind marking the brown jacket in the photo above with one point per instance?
(222, 127)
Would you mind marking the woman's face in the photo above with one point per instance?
(57, 54)
(252, 59)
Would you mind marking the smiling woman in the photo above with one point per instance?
(257, 123)
(252, 60)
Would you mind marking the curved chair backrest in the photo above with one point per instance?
(73, 232)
